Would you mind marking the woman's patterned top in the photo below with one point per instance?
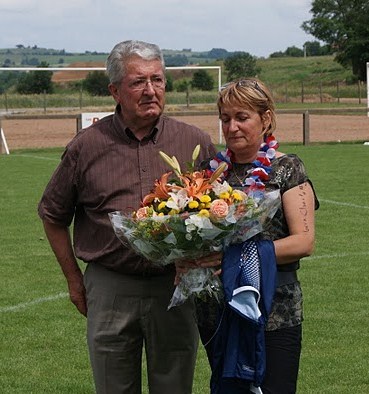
(287, 172)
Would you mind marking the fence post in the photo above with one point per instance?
(306, 128)
(359, 90)
(302, 91)
(6, 102)
(44, 97)
(79, 122)
(286, 93)
(338, 92)
(80, 97)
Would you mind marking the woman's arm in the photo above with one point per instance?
(299, 209)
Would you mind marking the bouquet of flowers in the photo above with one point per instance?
(188, 216)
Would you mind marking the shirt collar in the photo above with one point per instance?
(128, 135)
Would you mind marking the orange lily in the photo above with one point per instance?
(195, 184)
(161, 190)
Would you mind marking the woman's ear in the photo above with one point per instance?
(267, 120)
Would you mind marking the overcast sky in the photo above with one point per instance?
(258, 27)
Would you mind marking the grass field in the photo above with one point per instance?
(42, 343)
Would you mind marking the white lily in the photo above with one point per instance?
(220, 187)
(178, 200)
(198, 222)
(172, 161)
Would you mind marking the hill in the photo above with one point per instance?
(282, 73)
(274, 71)
(70, 75)
(313, 69)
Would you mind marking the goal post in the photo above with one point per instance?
(218, 68)
(3, 144)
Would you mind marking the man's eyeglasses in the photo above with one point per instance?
(249, 83)
(141, 84)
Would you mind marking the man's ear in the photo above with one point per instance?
(114, 92)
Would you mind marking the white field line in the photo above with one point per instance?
(336, 256)
(37, 301)
(63, 295)
(37, 157)
(344, 204)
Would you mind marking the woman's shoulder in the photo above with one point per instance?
(284, 158)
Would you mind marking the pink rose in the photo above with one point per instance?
(142, 213)
(219, 209)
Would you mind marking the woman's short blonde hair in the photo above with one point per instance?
(251, 94)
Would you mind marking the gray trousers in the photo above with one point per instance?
(127, 313)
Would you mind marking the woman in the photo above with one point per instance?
(248, 118)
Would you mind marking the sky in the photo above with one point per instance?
(259, 27)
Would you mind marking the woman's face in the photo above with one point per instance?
(243, 131)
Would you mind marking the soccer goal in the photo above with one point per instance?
(3, 144)
(92, 116)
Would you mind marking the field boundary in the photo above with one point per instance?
(40, 130)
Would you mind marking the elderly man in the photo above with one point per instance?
(111, 166)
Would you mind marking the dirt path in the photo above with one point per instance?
(41, 133)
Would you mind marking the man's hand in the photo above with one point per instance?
(77, 294)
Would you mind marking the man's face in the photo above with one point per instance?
(141, 92)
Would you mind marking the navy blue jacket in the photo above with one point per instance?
(249, 275)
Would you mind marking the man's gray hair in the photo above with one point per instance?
(115, 63)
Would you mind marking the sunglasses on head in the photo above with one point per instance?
(248, 83)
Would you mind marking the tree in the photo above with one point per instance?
(36, 82)
(8, 80)
(169, 86)
(218, 53)
(240, 65)
(344, 26)
(202, 80)
(182, 85)
(294, 52)
(175, 60)
(96, 83)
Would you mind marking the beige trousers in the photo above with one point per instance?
(127, 314)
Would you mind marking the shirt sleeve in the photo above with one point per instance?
(58, 202)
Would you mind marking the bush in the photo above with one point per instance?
(36, 82)
(96, 83)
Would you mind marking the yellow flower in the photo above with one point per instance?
(205, 198)
(237, 196)
(160, 214)
(208, 205)
(224, 195)
(173, 212)
(204, 212)
(193, 204)
(162, 205)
